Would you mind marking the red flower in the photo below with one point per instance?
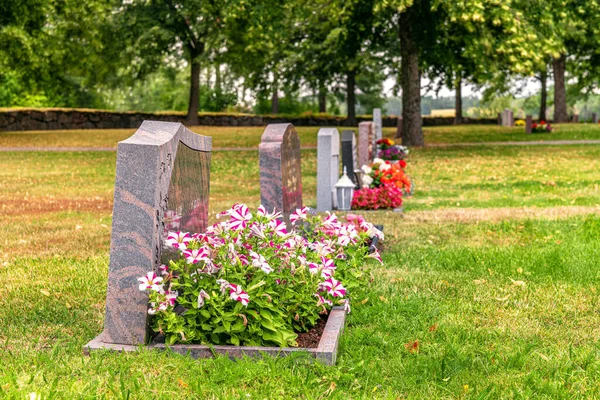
(402, 164)
(534, 125)
(542, 122)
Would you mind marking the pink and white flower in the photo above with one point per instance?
(151, 281)
(259, 261)
(262, 212)
(239, 216)
(375, 255)
(178, 240)
(300, 214)
(322, 300)
(170, 298)
(279, 227)
(197, 255)
(333, 287)
(224, 285)
(331, 221)
(201, 297)
(164, 269)
(236, 293)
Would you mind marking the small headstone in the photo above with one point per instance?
(500, 119)
(399, 128)
(507, 117)
(162, 182)
(575, 118)
(377, 124)
(365, 143)
(349, 159)
(280, 170)
(594, 118)
(511, 119)
(528, 124)
(328, 167)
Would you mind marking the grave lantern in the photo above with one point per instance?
(345, 190)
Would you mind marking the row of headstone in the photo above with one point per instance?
(507, 118)
(162, 182)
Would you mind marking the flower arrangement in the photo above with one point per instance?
(383, 185)
(520, 122)
(250, 281)
(387, 150)
(541, 127)
(382, 197)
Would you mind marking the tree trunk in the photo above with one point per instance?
(560, 94)
(543, 95)
(412, 134)
(194, 103)
(458, 103)
(322, 98)
(351, 97)
(275, 101)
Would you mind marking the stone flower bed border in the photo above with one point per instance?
(326, 351)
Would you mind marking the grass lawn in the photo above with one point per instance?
(489, 289)
(250, 136)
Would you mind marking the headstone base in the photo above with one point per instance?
(326, 351)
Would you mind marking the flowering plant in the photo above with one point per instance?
(390, 151)
(382, 172)
(542, 127)
(382, 197)
(250, 281)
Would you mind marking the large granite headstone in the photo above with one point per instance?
(529, 124)
(377, 124)
(349, 160)
(365, 143)
(162, 183)
(280, 169)
(328, 167)
(507, 118)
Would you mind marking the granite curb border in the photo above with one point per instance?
(326, 351)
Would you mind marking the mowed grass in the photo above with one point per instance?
(489, 288)
(249, 137)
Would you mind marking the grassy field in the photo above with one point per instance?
(250, 136)
(489, 289)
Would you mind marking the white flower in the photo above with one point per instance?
(378, 161)
(385, 166)
(366, 169)
(367, 181)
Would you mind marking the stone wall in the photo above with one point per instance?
(58, 119)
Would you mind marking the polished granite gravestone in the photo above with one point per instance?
(162, 183)
(377, 126)
(280, 169)
(365, 143)
(529, 124)
(349, 158)
(328, 167)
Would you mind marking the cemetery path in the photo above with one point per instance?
(470, 144)
(531, 143)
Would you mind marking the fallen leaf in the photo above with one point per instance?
(490, 272)
(503, 298)
(182, 383)
(45, 292)
(479, 281)
(397, 280)
(433, 328)
(551, 183)
(543, 357)
(412, 347)
(518, 283)
(78, 227)
(520, 270)
(364, 301)
(383, 299)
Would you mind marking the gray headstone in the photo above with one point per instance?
(500, 119)
(511, 119)
(349, 158)
(575, 118)
(507, 118)
(365, 143)
(162, 169)
(528, 124)
(280, 169)
(328, 167)
(594, 118)
(377, 124)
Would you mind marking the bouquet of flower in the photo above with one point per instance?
(382, 172)
(249, 281)
(382, 197)
(387, 150)
(542, 127)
